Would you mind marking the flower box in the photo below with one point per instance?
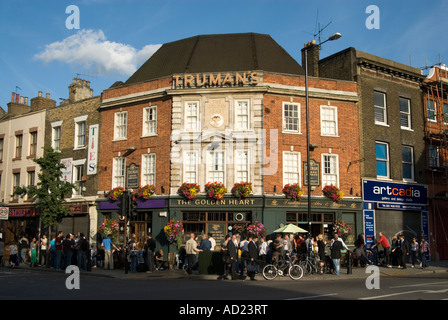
(188, 190)
(293, 191)
(242, 189)
(333, 193)
(215, 190)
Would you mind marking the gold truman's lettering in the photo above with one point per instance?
(216, 79)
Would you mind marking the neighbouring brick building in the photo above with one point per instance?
(436, 132)
(73, 130)
(391, 123)
(228, 108)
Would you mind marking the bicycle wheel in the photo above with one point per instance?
(270, 272)
(295, 272)
(306, 267)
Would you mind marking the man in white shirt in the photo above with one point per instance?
(191, 251)
(213, 242)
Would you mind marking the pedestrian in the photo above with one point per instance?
(160, 261)
(225, 258)
(67, 248)
(263, 251)
(321, 252)
(133, 255)
(403, 250)
(252, 263)
(2, 251)
(191, 251)
(414, 252)
(24, 245)
(150, 247)
(394, 251)
(83, 251)
(337, 244)
(13, 251)
(52, 253)
(277, 246)
(212, 241)
(424, 250)
(243, 256)
(232, 251)
(33, 253)
(107, 245)
(385, 244)
(43, 249)
(205, 244)
(58, 251)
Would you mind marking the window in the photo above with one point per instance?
(329, 121)
(382, 160)
(242, 166)
(405, 113)
(190, 166)
(408, 163)
(291, 173)
(118, 178)
(19, 141)
(31, 178)
(330, 174)
(192, 116)
(121, 124)
(150, 121)
(445, 113)
(1, 149)
(149, 169)
(291, 117)
(33, 144)
(431, 109)
(216, 166)
(434, 156)
(380, 107)
(78, 173)
(15, 184)
(56, 138)
(242, 115)
(80, 132)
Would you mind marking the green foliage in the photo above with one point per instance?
(48, 194)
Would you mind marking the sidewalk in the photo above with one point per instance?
(440, 267)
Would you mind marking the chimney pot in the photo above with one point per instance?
(17, 97)
(39, 94)
(47, 96)
(21, 100)
(13, 96)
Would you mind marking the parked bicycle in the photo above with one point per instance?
(308, 263)
(283, 268)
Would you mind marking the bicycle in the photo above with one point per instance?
(308, 264)
(282, 268)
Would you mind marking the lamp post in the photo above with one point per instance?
(335, 36)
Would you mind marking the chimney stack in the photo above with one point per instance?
(313, 58)
(79, 90)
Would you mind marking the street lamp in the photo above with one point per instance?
(335, 36)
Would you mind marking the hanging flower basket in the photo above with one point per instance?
(293, 191)
(215, 190)
(242, 189)
(342, 229)
(188, 190)
(145, 192)
(109, 226)
(173, 230)
(256, 229)
(333, 193)
(115, 193)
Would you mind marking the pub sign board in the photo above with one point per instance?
(132, 175)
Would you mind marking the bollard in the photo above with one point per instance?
(348, 260)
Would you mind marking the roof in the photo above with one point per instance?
(217, 53)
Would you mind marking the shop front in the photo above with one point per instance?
(21, 220)
(393, 209)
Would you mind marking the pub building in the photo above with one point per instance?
(228, 108)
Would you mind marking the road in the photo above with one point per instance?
(27, 284)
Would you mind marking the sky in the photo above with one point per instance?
(44, 44)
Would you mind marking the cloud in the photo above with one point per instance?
(92, 50)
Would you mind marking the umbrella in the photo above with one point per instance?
(290, 228)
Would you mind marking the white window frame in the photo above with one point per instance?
(323, 120)
(55, 127)
(75, 181)
(78, 122)
(387, 160)
(284, 124)
(187, 126)
(333, 169)
(149, 165)
(120, 126)
(406, 114)
(242, 167)
(412, 164)
(190, 167)
(211, 157)
(119, 172)
(241, 115)
(288, 170)
(383, 108)
(435, 110)
(150, 125)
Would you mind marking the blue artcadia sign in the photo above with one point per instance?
(395, 193)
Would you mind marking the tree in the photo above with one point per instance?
(49, 192)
